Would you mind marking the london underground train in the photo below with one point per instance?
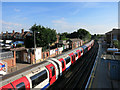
(45, 74)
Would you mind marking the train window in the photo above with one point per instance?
(76, 54)
(81, 51)
(38, 78)
(20, 86)
(9, 89)
(62, 64)
(67, 60)
(53, 70)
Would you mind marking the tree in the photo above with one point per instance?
(83, 34)
(45, 36)
(63, 36)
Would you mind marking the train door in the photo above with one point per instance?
(72, 55)
(82, 51)
(52, 73)
(78, 53)
(21, 84)
(63, 64)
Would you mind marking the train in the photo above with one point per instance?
(45, 74)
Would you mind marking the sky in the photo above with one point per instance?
(96, 17)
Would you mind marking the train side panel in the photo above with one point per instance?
(52, 73)
(63, 64)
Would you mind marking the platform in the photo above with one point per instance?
(101, 77)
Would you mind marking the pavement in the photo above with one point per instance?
(102, 74)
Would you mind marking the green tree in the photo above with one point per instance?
(44, 36)
(63, 36)
(83, 34)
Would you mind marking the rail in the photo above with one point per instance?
(90, 79)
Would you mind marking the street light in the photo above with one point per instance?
(35, 44)
(49, 49)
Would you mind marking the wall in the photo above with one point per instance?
(10, 62)
(38, 53)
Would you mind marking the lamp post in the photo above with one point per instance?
(111, 40)
(35, 45)
(49, 49)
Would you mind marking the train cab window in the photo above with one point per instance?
(63, 64)
(38, 78)
(20, 86)
(53, 70)
(67, 60)
(81, 51)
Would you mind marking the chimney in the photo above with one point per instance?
(22, 31)
(1, 32)
(6, 32)
(13, 31)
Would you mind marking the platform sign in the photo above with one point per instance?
(3, 68)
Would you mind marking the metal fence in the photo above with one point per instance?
(5, 55)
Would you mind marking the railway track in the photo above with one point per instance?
(78, 74)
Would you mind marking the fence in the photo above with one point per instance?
(5, 55)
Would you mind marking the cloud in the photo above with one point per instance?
(62, 25)
(17, 10)
(9, 26)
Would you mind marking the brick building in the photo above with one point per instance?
(112, 35)
(15, 36)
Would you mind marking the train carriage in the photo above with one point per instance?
(39, 77)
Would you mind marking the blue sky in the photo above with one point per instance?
(96, 17)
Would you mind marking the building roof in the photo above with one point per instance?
(74, 40)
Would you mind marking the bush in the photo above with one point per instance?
(116, 43)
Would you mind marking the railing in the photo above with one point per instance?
(5, 55)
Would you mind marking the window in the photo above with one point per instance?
(67, 60)
(76, 54)
(81, 51)
(114, 37)
(53, 71)
(20, 86)
(38, 78)
(62, 64)
(9, 89)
